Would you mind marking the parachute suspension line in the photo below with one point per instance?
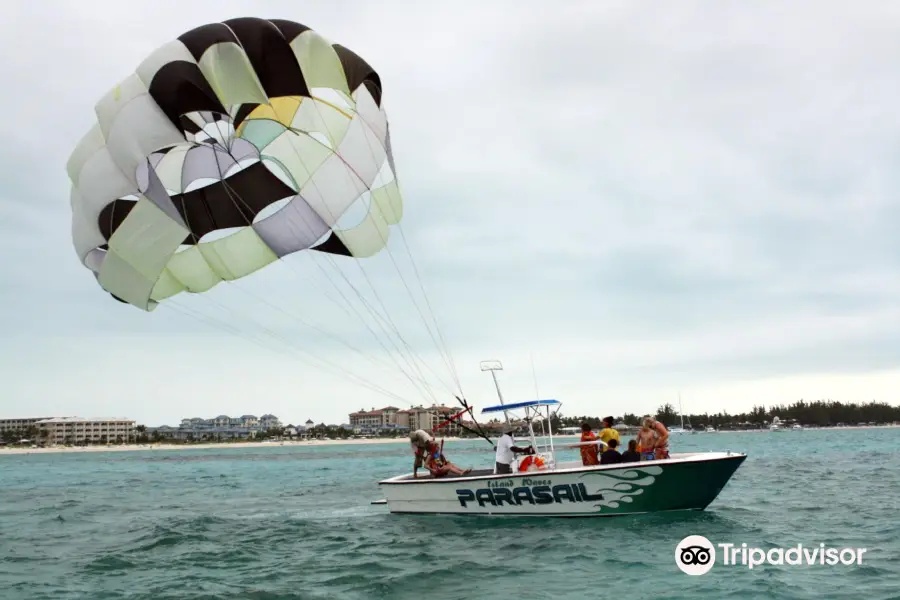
(375, 314)
(313, 359)
(190, 312)
(372, 311)
(441, 350)
(442, 346)
(374, 360)
(383, 321)
(235, 198)
(388, 321)
(227, 328)
(446, 351)
(382, 318)
(287, 342)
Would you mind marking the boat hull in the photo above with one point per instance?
(688, 483)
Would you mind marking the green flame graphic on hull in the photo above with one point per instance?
(619, 486)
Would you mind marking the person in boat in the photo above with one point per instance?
(438, 465)
(590, 454)
(611, 456)
(421, 443)
(646, 441)
(507, 449)
(661, 444)
(632, 454)
(608, 432)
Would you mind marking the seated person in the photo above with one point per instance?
(631, 455)
(611, 456)
(439, 466)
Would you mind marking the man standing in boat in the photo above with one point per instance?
(608, 432)
(421, 443)
(506, 451)
(590, 452)
(661, 446)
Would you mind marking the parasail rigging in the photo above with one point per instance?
(250, 146)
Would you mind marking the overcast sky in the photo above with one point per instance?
(644, 199)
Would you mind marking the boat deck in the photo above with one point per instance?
(561, 466)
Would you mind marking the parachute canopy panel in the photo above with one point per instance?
(261, 129)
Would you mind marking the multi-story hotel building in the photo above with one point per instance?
(19, 425)
(76, 430)
(417, 417)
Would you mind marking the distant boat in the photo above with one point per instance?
(776, 425)
(681, 429)
(797, 426)
(710, 429)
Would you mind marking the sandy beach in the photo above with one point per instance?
(164, 446)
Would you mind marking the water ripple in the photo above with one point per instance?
(291, 523)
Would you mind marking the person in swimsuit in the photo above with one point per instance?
(661, 445)
(438, 464)
(646, 441)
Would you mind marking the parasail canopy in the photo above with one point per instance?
(232, 146)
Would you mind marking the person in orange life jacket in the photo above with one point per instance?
(590, 455)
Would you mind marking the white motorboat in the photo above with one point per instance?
(540, 485)
(776, 425)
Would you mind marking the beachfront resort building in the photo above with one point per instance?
(68, 430)
(77, 430)
(218, 428)
(19, 426)
(391, 418)
(244, 421)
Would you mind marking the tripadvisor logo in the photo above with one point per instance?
(696, 555)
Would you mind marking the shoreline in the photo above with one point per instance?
(203, 446)
(349, 442)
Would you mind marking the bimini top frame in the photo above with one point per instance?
(535, 411)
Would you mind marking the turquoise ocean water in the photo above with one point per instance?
(287, 522)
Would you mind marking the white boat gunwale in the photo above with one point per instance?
(408, 479)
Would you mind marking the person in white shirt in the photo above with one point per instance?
(506, 451)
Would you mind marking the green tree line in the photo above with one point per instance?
(820, 413)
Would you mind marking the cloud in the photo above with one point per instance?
(643, 201)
